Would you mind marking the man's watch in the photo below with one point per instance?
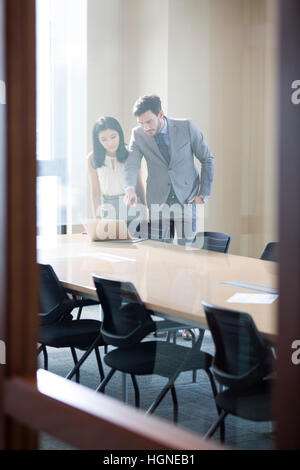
(204, 198)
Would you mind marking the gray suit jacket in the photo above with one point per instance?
(185, 142)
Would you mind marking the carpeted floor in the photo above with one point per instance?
(197, 410)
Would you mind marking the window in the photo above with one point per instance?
(61, 114)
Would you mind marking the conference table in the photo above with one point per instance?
(170, 279)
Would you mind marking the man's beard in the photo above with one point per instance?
(159, 127)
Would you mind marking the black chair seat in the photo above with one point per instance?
(76, 333)
(253, 404)
(157, 357)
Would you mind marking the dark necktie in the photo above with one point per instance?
(163, 148)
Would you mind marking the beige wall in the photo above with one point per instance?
(127, 57)
(213, 61)
(145, 45)
(104, 60)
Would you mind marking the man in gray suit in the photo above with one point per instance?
(169, 147)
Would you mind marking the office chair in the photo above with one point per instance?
(270, 252)
(57, 327)
(213, 241)
(126, 322)
(242, 364)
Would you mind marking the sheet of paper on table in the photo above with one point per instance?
(244, 298)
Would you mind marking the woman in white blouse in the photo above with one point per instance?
(106, 173)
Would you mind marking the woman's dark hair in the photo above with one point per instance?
(147, 103)
(102, 124)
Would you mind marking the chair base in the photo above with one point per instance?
(160, 358)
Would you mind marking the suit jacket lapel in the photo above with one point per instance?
(153, 148)
(174, 137)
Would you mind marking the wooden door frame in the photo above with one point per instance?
(3, 263)
(19, 327)
(287, 402)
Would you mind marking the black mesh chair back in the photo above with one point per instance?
(126, 322)
(54, 301)
(271, 252)
(125, 319)
(58, 328)
(213, 241)
(242, 358)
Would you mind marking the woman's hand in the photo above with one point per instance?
(130, 197)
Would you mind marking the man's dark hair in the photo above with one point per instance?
(147, 103)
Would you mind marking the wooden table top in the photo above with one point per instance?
(169, 278)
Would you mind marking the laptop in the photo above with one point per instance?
(109, 230)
